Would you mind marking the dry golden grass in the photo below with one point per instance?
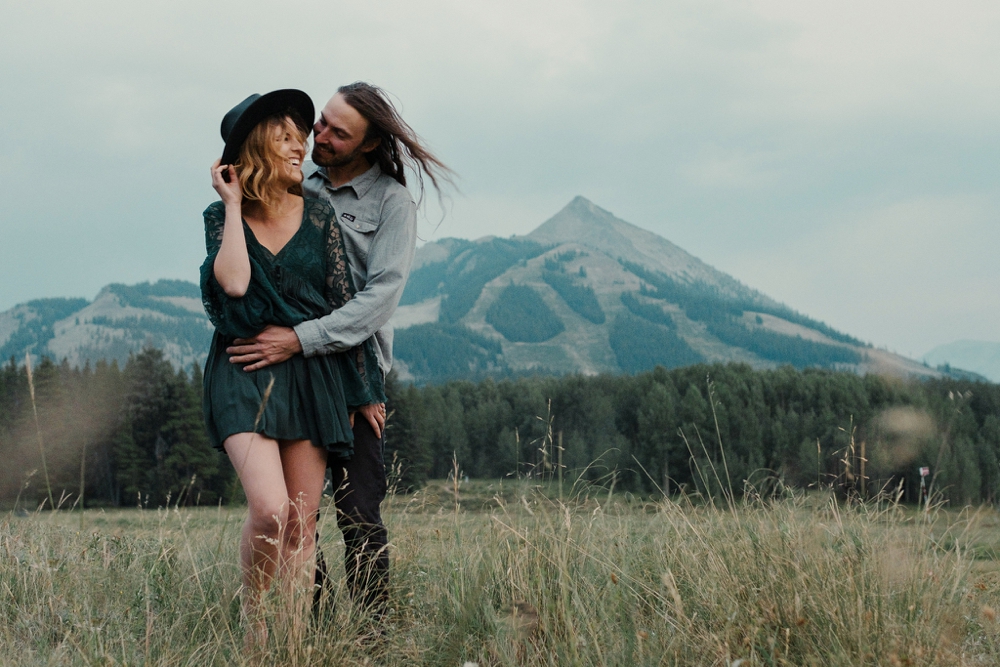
(502, 575)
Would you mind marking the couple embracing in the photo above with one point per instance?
(305, 266)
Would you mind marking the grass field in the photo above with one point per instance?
(500, 574)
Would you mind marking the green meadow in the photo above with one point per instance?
(509, 574)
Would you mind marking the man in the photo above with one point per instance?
(361, 148)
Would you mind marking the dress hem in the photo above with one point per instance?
(341, 452)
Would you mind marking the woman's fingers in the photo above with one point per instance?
(218, 178)
(225, 182)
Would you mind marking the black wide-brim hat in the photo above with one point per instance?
(242, 118)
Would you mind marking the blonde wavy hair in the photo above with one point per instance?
(259, 163)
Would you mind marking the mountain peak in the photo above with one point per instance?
(585, 223)
(580, 202)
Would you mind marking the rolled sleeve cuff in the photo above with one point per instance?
(311, 337)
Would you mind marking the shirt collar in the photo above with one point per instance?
(361, 184)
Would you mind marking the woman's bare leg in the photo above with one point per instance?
(258, 463)
(304, 468)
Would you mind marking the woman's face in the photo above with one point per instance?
(290, 151)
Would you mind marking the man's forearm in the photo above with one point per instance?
(344, 328)
(356, 321)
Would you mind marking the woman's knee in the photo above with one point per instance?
(296, 540)
(301, 533)
(269, 519)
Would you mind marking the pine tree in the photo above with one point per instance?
(129, 464)
(152, 396)
(403, 441)
(190, 465)
(658, 444)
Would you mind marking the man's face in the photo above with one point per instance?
(339, 134)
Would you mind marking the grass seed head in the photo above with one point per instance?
(671, 585)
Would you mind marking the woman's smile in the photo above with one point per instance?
(293, 151)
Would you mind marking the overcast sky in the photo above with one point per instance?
(840, 157)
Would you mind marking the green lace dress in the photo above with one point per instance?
(310, 397)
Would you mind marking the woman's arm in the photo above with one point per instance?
(232, 264)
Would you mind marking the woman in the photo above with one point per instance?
(277, 258)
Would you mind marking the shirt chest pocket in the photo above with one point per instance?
(361, 232)
(361, 225)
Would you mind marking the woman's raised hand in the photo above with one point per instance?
(230, 191)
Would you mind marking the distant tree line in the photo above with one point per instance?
(134, 434)
(648, 340)
(722, 316)
(150, 296)
(793, 350)
(656, 431)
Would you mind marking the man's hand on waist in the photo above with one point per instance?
(271, 346)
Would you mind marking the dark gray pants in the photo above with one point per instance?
(359, 489)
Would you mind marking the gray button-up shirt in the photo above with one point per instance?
(379, 222)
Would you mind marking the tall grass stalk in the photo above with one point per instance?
(38, 427)
(730, 498)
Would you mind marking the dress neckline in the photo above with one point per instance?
(275, 255)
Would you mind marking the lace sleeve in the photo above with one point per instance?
(215, 222)
(339, 286)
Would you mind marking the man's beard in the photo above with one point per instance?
(325, 159)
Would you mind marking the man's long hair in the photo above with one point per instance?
(399, 146)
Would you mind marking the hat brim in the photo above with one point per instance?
(261, 108)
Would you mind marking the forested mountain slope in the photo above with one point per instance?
(120, 321)
(589, 293)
